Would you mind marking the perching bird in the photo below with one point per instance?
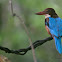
(53, 25)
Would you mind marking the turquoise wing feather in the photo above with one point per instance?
(55, 26)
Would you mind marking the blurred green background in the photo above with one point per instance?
(13, 35)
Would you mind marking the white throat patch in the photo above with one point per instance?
(47, 15)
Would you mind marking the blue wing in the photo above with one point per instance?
(55, 26)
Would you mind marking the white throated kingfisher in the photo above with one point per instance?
(53, 25)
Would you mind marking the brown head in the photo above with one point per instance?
(49, 11)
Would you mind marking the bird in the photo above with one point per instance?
(53, 25)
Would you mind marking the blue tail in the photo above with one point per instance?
(58, 44)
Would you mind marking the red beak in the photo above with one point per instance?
(41, 13)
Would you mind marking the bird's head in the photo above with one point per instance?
(48, 12)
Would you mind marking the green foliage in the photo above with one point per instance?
(13, 35)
